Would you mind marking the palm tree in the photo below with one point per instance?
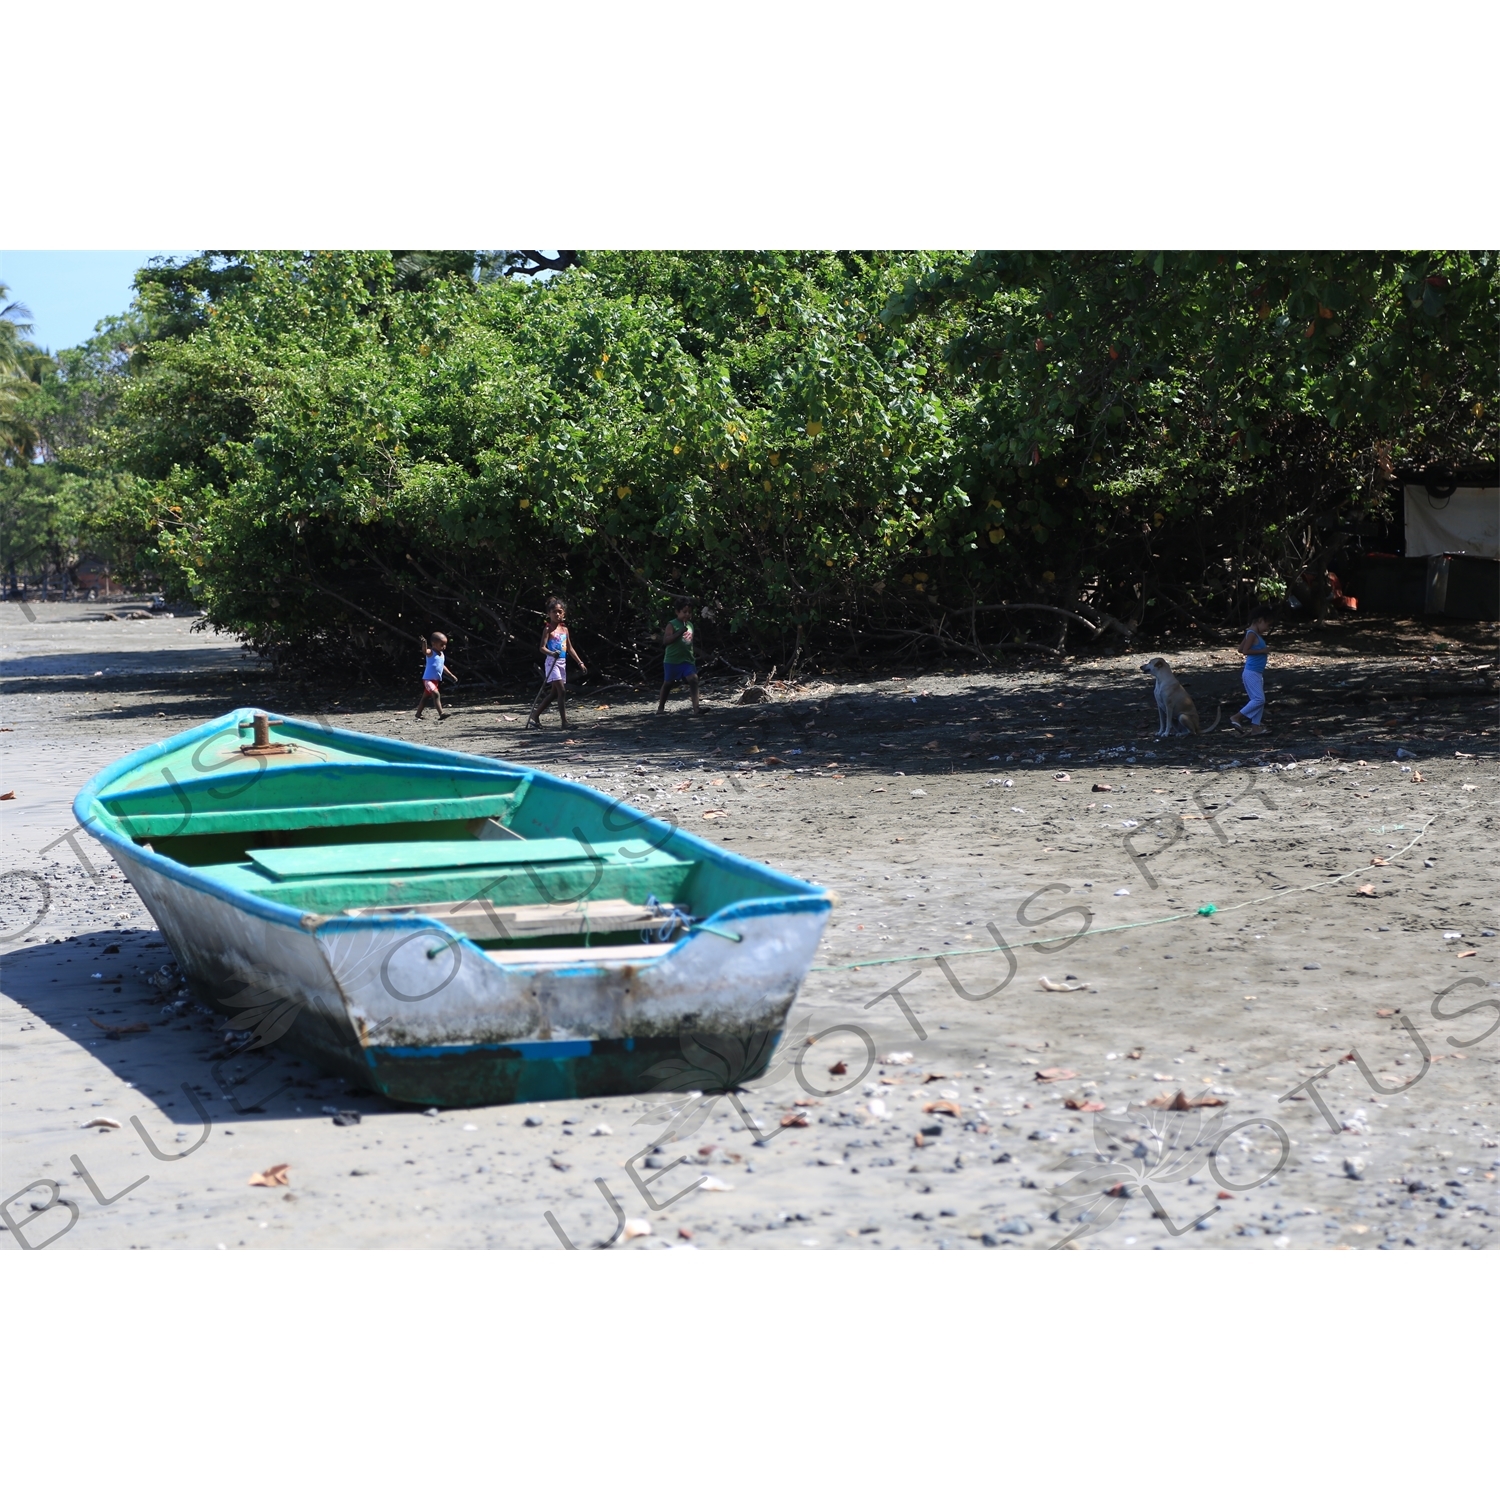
(15, 323)
(19, 371)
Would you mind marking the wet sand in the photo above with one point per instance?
(956, 814)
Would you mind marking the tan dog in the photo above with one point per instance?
(1174, 707)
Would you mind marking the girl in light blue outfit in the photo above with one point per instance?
(1254, 649)
(556, 648)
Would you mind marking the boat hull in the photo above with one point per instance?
(411, 1010)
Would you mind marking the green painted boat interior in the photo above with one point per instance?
(330, 823)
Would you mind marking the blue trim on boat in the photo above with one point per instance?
(528, 1050)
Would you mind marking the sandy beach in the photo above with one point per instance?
(1053, 927)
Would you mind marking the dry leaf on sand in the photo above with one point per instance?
(1180, 1101)
(272, 1176)
(942, 1107)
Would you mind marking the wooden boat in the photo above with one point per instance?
(445, 928)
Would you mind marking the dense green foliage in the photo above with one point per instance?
(54, 499)
(1197, 428)
(336, 452)
(331, 459)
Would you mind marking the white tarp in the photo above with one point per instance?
(1468, 521)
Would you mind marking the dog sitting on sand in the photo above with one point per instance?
(1175, 710)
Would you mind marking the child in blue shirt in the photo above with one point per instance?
(1254, 649)
(433, 673)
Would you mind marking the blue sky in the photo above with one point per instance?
(69, 291)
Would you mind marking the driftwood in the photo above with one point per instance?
(1095, 629)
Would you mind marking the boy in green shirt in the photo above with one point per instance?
(677, 663)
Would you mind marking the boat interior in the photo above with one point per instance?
(507, 857)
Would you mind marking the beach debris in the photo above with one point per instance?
(102, 1122)
(839, 1068)
(795, 1120)
(1383, 1014)
(1134, 1054)
(7, 796)
(1375, 859)
(1100, 786)
(1366, 890)
(1052, 984)
(635, 1229)
(352, 1117)
(1416, 775)
(1084, 1106)
(895, 1059)
(942, 1107)
(601, 1129)
(1354, 1166)
(117, 1031)
(272, 1176)
(1054, 1075)
(715, 1185)
(917, 791)
(1180, 1101)
(1123, 891)
(715, 812)
(1469, 953)
(1061, 776)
